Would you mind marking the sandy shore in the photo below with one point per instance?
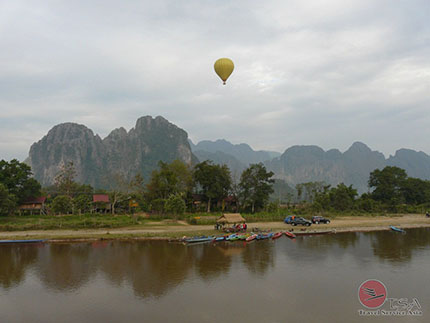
(339, 224)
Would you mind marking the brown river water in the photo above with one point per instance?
(309, 279)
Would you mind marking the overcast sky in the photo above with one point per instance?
(326, 73)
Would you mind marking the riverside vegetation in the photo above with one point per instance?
(198, 195)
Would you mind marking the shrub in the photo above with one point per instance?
(62, 204)
(175, 205)
(157, 205)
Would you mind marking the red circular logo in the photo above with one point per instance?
(372, 293)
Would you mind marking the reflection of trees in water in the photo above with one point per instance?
(14, 261)
(65, 266)
(152, 268)
(212, 261)
(398, 247)
(259, 256)
(327, 241)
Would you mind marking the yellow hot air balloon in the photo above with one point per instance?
(224, 67)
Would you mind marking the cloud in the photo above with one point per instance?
(315, 72)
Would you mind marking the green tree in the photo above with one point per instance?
(7, 201)
(62, 204)
(367, 204)
(157, 205)
(342, 197)
(175, 204)
(415, 191)
(256, 186)
(387, 184)
(173, 178)
(16, 177)
(82, 203)
(212, 181)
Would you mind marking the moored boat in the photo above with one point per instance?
(290, 234)
(277, 235)
(243, 236)
(232, 237)
(198, 239)
(251, 237)
(20, 241)
(264, 236)
(396, 229)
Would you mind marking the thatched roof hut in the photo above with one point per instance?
(230, 218)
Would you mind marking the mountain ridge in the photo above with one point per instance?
(153, 139)
(96, 160)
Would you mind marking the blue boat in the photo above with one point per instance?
(232, 237)
(397, 229)
(199, 239)
(222, 238)
(20, 241)
(264, 236)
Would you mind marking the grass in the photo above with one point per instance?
(114, 236)
(85, 221)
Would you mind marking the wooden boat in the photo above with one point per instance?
(232, 237)
(277, 235)
(264, 236)
(290, 234)
(243, 236)
(251, 237)
(222, 238)
(199, 239)
(20, 241)
(396, 229)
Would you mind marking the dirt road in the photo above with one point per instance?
(340, 224)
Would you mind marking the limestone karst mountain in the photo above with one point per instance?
(97, 160)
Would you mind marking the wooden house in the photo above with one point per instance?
(101, 203)
(34, 205)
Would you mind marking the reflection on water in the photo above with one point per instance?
(398, 247)
(153, 269)
(14, 261)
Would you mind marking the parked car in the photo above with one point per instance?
(300, 221)
(319, 219)
(288, 219)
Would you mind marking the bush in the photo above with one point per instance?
(175, 205)
(7, 201)
(157, 205)
(62, 204)
(272, 207)
(82, 203)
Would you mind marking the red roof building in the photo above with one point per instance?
(101, 203)
(104, 198)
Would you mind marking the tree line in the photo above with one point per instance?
(175, 188)
(390, 190)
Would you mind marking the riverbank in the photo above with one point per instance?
(166, 230)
